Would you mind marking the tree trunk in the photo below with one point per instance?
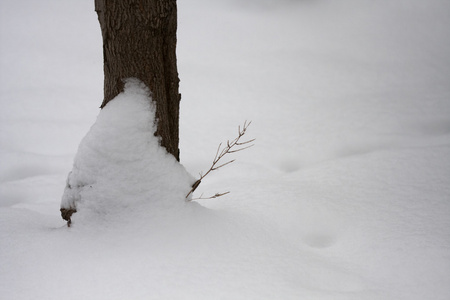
(139, 40)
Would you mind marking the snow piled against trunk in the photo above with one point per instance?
(120, 164)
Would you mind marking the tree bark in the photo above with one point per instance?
(139, 40)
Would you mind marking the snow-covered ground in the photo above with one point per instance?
(346, 194)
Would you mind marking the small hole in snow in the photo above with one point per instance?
(319, 240)
(289, 166)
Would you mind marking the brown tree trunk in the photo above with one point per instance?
(139, 40)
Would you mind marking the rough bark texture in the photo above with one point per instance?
(139, 40)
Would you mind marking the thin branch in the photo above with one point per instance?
(231, 147)
(217, 195)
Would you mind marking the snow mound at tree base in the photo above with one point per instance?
(120, 165)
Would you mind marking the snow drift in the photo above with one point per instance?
(120, 164)
(346, 196)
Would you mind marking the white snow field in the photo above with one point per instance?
(345, 195)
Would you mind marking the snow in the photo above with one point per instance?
(346, 194)
(120, 166)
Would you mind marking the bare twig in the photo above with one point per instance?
(231, 147)
(217, 195)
